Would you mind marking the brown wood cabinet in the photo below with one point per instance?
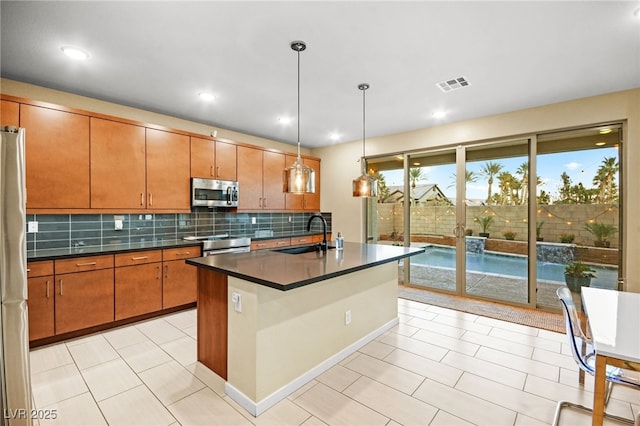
(138, 283)
(168, 171)
(9, 113)
(309, 202)
(260, 174)
(213, 160)
(84, 292)
(180, 281)
(117, 165)
(40, 299)
(57, 158)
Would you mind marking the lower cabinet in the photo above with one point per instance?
(40, 299)
(138, 283)
(180, 281)
(71, 294)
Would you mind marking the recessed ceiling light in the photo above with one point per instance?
(75, 53)
(439, 114)
(600, 143)
(636, 12)
(334, 136)
(284, 120)
(416, 164)
(605, 131)
(206, 96)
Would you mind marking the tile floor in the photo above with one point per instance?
(437, 367)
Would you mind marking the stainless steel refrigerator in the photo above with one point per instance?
(14, 324)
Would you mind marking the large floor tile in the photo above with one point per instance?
(160, 331)
(56, 384)
(171, 382)
(110, 378)
(206, 408)
(92, 352)
(334, 408)
(46, 358)
(425, 367)
(391, 403)
(184, 350)
(80, 410)
(338, 377)
(489, 370)
(137, 406)
(143, 356)
(384, 372)
(125, 336)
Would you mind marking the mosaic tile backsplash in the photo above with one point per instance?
(78, 230)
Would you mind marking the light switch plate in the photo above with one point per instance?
(32, 226)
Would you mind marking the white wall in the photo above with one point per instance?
(340, 166)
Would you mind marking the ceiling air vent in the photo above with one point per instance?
(453, 84)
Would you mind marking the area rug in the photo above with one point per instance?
(530, 317)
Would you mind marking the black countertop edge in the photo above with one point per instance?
(61, 253)
(302, 283)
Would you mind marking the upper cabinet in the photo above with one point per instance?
(212, 159)
(117, 165)
(168, 172)
(9, 113)
(57, 158)
(309, 202)
(260, 178)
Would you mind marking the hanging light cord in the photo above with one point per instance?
(363, 87)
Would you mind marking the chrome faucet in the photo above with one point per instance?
(323, 245)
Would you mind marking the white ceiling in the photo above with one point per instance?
(159, 55)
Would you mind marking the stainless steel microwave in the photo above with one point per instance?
(214, 193)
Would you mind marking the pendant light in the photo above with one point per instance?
(299, 178)
(365, 185)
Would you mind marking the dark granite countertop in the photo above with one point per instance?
(288, 271)
(61, 253)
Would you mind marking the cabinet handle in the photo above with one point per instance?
(166, 272)
(211, 172)
(150, 199)
(281, 243)
(86, 264)
(265, 202)
(28, 269)
(48, 289)
(260, 244)
(158, 272)
(61, 287)
(217, 171)
(139, 257)
(184, 253)
(142, 198)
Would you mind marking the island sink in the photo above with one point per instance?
(302, 249)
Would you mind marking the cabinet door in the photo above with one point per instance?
(57, 158)
(226, 157)
(250, 178)
(138, 290)
(117, 165)
(203, 153)
(168, 171)
(41, 307)
(272, 174)
(9, 113)
(180, 283)
(83, 299)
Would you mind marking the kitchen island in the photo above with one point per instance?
(269, 321)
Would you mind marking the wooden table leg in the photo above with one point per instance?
(599, 390)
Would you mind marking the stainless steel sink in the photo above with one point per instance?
(301, 249)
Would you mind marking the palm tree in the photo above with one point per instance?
(490, 169)
(415, 174)
(605, 180)
(383, 189)
(509, 186)
(523, 170)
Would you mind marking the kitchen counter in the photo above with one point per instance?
(269, 322)
(284, 271)
(61, 253)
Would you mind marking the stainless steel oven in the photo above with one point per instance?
(214, 193)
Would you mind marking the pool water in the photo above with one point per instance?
(504, 264)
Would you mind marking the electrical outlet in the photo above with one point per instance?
(347, 317)
(32, 226)
(237, 301)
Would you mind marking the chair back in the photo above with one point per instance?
(573, 329)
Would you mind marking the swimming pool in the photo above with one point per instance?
(507, 264)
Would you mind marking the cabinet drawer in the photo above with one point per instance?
(81, 264)
(39, 269)
(302, 240)
(138, 257)
(268, 244)
(181, 253)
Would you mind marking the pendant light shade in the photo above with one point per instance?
(299, 178)
(365, 185)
